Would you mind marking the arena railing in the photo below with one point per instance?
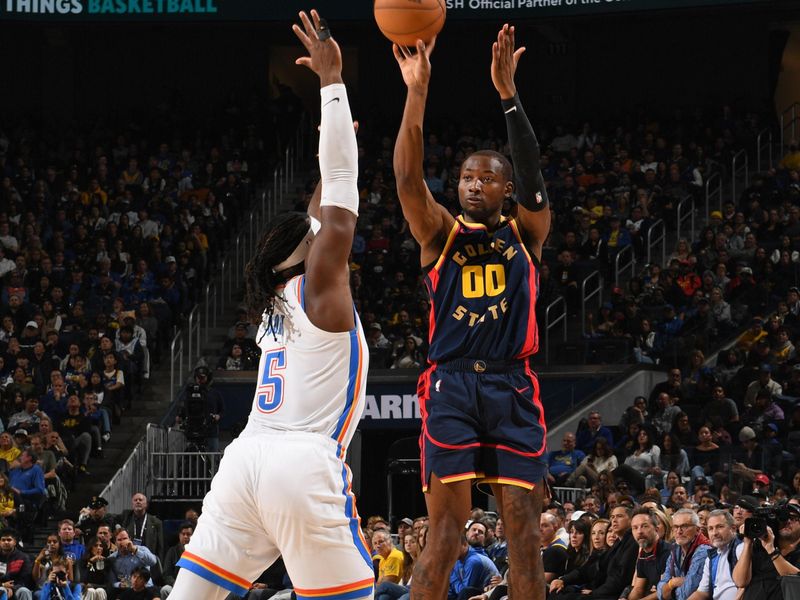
(764, 149)
(136, 474)
(176, 369)
(713, 191)
(186, 345)
(740, 164)
(548, 324)
(182, 476)
(789, 124)
(569, 494)
(620, 267)
(657, 234)
(685, 213)
(585, 297)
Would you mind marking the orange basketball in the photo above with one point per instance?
(406, 21)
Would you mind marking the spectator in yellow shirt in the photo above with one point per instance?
(390, 559)
(8, 451)
(752, 335)
(791, 161)
(7, 507)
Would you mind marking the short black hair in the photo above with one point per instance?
(506, 169)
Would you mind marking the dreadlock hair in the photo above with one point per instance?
(281, 237)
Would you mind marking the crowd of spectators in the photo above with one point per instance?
(616, 545)
(107, 238)
(97, 556)
(607, 188)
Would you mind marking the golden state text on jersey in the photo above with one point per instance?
(483, 292)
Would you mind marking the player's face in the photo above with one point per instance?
(482, 189)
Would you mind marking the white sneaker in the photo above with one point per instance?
(106, 436)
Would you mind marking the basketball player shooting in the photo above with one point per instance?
(482, 419)
(283, 487)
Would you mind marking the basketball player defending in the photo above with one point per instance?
(482, 419)
(283, 487)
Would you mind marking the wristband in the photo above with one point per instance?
(774, 554)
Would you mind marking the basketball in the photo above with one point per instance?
(406, 21)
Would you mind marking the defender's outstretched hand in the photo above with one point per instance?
(504, 62)
(324, 56)
(415, 67)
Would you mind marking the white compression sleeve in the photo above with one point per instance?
(338, 152)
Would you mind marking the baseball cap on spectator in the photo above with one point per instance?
(757, 321)
(746, 433)
(21, 432)
(241, 325)
(715, 214)
(794, 289)
(97, 502)
(746, 271)
(32, 324)
(700, 481)
(577, 515)
(762, 479)
(169, 259)
(747, 503)
(765, 368)
(376, 326)
(773, 427)
(407, 521)
(796, 367)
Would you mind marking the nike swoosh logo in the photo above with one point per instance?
(329, 101)
(522, 390)
(510, 110)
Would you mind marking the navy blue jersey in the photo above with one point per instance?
(483, 294)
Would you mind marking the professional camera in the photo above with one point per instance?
(196, 410)
(769, 516)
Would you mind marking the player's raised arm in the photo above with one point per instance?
(329, 303)
(428, 220)
(534, 210)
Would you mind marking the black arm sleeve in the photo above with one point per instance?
(531, 192)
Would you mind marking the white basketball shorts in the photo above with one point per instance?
(282, 494)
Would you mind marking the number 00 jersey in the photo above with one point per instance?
(308, 379)
(483, 294)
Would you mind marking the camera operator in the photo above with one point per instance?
(201, 409)
(57, 586)
(764, 558)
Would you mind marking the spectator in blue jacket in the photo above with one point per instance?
(687, 558)
(562, 463)
(469, 575)
(126, 559)
(586, 436)
(58, 586)
(27, 480)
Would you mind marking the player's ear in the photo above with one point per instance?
(509, 189)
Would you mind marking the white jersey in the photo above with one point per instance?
(309, 380)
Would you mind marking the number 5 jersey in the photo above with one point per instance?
(308, 379)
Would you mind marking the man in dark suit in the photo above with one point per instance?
(144, 528)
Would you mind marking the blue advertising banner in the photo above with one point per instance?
(391, 402)
(274, 10)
